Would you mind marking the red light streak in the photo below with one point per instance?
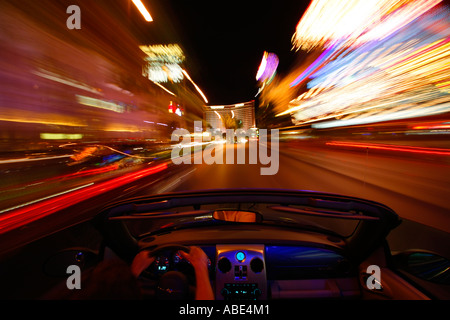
(79, 174)
(25, 215)
(431, 127)
(434, 151)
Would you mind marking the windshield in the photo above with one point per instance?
(105, 100)
(244, 213)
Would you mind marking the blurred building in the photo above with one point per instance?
(233, 116)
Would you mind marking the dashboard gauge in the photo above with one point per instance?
(162, 264)
(177, 258)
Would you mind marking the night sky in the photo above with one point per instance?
(224, 41)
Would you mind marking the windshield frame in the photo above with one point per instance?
(368, 233)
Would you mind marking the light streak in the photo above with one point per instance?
(31, 212)
(433, 151)
(101, 104)
(143, 10)
(262, 66)
(162, 87)
(395, 67)
(326, 55)
(403, 114)
(196, 87)
(355, 21)
(69, 82)
(33, 159)
(45, 198)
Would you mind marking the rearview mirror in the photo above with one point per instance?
(237, 216)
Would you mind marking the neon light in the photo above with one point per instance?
(355, 21)
(61, 136)
(262, 66)
(327, 54)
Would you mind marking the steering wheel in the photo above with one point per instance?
(168, 247)
(172, 285)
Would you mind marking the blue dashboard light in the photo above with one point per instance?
(240, 256)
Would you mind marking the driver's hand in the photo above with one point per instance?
(141, 262)
(199, 260)
(196, 256)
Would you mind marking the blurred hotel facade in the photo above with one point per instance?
(232, 116)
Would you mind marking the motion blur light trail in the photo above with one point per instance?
(379, 61)
(33, 159)
(60, 85)
(79, 174)
(143, 10)
(435, 151)
(47, 206)
(355, 21)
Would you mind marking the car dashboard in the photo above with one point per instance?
(262, 271)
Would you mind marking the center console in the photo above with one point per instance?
(240, 273)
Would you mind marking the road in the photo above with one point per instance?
(416, 187)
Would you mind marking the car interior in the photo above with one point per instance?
(251, 256)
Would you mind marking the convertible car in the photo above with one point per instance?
(261, 245)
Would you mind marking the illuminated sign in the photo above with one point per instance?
(61, 136)
(177, 109)
(163, 63)
(268, 67)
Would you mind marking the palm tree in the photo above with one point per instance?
(230, 122)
